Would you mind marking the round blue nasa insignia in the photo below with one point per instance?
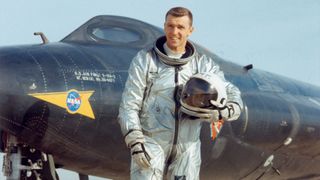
(73, 101)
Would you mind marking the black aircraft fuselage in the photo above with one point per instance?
(62, 99)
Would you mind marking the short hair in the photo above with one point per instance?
(179, 12)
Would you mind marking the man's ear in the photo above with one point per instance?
(191, 30)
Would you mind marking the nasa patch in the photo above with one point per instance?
(73, 101)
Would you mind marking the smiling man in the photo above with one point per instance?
(163, 138)
(178, 27)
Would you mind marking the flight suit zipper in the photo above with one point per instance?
(173, 152)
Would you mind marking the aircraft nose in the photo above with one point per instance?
(14, 66)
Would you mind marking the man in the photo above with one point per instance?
(161, 141)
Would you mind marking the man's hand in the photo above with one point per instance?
(135, 141)
(230, 112)
(215, 116)
(140, 155)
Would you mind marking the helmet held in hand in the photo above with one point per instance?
(202, 94)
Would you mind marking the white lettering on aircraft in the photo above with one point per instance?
(95, 76)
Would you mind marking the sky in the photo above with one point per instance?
(282, 37)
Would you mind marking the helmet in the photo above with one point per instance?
(202, 94)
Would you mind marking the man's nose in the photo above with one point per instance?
(175, 30)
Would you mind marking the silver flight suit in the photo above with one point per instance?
(148, 104)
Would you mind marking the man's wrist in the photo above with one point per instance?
(134, 136)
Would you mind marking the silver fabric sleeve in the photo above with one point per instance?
(132, 97)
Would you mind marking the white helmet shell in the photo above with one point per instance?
(203, 93)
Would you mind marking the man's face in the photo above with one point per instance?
(177, 30)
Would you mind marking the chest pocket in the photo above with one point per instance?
(151, 75)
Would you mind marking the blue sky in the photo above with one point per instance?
(281, 37)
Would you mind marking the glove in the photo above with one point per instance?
(209, 116)
(135, 141)
(140, 155)
(230, 112)
(215, 116)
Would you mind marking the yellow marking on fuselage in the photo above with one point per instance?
(60, 99)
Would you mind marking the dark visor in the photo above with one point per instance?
(198, 93)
